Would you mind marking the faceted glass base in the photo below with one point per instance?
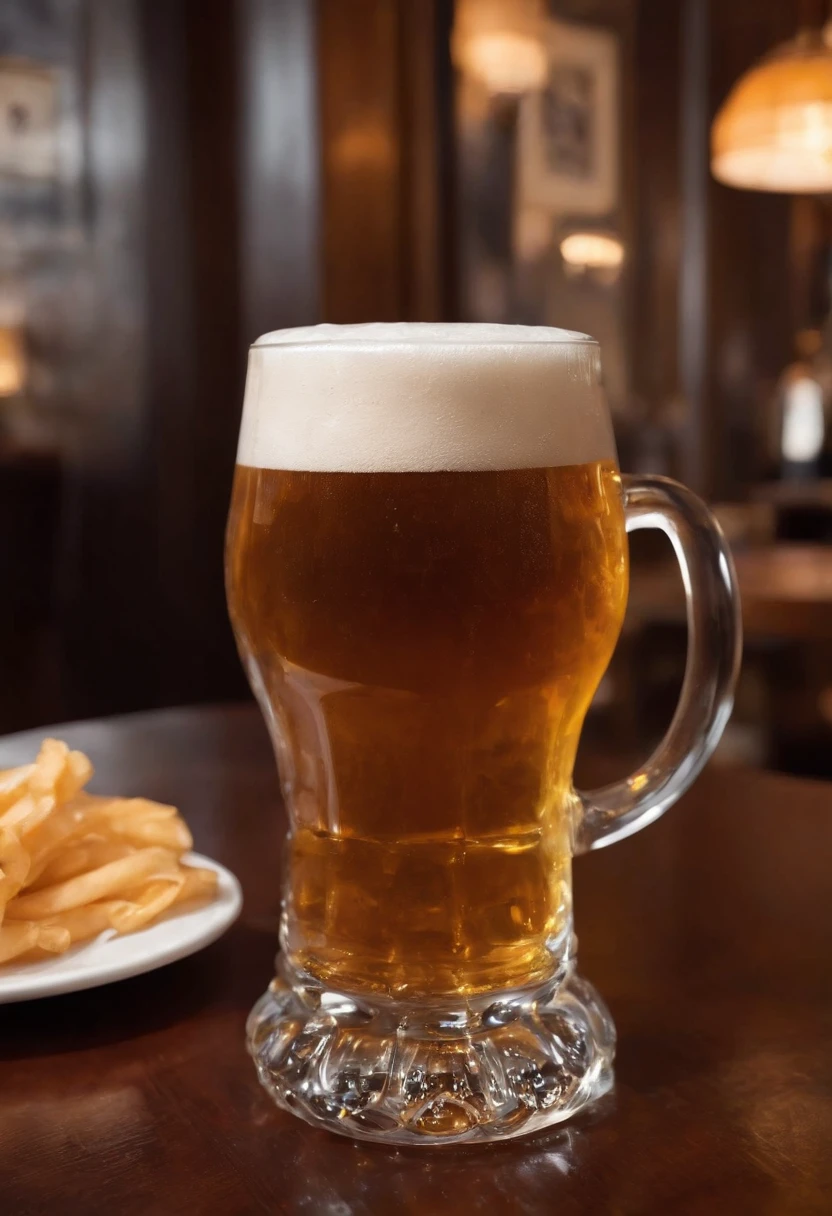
(489, 1068)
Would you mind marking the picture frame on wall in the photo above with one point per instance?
(568, 131)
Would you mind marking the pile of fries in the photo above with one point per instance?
(73, 864)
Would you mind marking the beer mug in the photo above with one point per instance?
(427, 573)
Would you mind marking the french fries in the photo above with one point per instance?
(73, 865)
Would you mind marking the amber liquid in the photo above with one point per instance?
(425, 646)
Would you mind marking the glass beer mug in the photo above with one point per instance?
(427, 573)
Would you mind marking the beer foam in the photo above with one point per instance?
(417, 397)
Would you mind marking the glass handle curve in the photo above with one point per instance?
(714, 651)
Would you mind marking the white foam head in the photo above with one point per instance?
(423, 397)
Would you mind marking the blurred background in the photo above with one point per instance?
(177, 178)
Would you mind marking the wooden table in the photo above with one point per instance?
(786, 591)
(710, 934)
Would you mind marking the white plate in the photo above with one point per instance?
(111, 957)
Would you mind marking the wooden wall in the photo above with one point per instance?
(714, 300)
(195, 228)
(246, 165)
(656, 204)
(751, 318)
(386, 132)
(212, 222)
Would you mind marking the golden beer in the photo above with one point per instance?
(427, 573)
(426, 645)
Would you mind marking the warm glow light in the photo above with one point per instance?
(12, 362)
(803, 421)
(595, 250)
(774, 131)
(500, 43)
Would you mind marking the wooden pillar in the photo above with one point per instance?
(203, 182)
(384, 103)
(279, 164)
(657, 202)
(696, 463)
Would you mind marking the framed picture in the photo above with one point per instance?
(28, 121)
(568, 135)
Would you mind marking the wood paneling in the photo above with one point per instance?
(386, 189)
(278, 164)
(750, 326)
(694, 456)
(210, 413)
(107, 580)
(200, 188)
(713, 280)
(144, 617)
(200, 221)
(362, 160)
(656, 204)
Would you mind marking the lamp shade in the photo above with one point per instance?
(774, 131)
(500, 43)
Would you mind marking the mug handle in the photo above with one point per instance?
(713, 661)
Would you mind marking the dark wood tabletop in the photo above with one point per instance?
(785, 589)
(709, 934)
